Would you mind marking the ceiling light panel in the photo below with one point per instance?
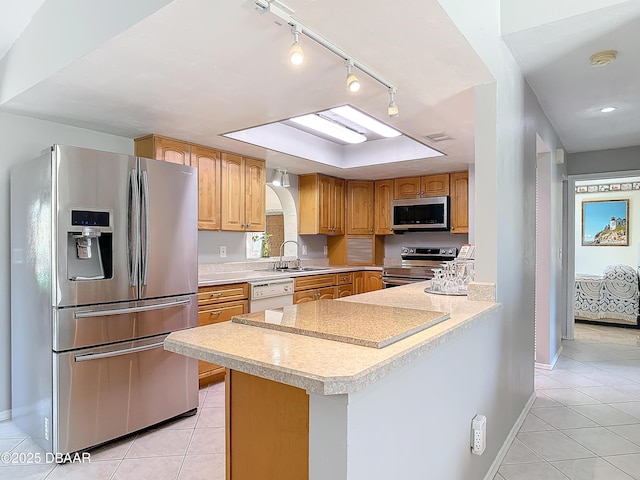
(364, 120)
(327, 127)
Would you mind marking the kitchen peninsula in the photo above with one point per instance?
(305, 407)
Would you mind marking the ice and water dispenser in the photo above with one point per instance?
(90, 246)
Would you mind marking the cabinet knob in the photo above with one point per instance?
(215, 312)
(371, 230)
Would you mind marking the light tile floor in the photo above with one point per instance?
(585, 421)
(189, 448)
(584, 425)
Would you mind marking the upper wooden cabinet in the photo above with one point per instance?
(460, 202)
(360, 211)
(207, 162)
(243, 183)
(425, 186)
(322, 200)
(383, 195)
(162, 148)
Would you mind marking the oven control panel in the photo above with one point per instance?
(440, 253)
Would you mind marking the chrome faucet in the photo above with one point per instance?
(280, 264)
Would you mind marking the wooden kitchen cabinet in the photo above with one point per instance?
(243, 183)
(322, 199)
(372, 281)
(207, 161)
(218, 304)
(267, 422)
(383, 196)
(360, 207)
(344, 290)
(314, 287)
(358, 282)
(424, 186)
(356, 250)
(459, 202)
(163, 148)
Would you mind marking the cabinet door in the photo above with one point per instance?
(358, 283)
(325, 215)
(359, 207)
(207, 162)
(435, 185)
(222, 312)
(382, 207)
(327, 293)
(407, 187)
(372, 281)
(304, 296)
(338, 200)
(460, 202)
(255, 213)
(232, 188)
(344, 290)
(172, 150)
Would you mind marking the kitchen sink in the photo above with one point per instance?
(292, 270)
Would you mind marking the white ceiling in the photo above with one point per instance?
(197, 69)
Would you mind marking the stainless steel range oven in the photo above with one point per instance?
(417, 265)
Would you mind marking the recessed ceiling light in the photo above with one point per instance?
(607, 109)
(366, 121)
(328, 127)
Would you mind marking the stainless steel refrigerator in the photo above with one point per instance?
(103, 267)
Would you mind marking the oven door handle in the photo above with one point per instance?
(83, 357)
(397, 281)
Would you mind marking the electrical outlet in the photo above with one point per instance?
(326, 250)
(478, 434)
(304, 249)
(223, 251)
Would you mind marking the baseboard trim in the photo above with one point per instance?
(5, 415)
(509, 440)
(545, 366)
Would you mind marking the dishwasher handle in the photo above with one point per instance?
(84, 357)
(123, 311)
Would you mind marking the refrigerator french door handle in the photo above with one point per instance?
(83, 357)
(123, 311)
(134, 215)
(145, 228)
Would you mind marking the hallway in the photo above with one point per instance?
(585, 421)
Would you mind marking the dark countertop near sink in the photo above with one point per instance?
(210, 279)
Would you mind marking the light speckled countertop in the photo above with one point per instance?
(206, 279)
(328, 367)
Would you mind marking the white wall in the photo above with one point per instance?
(523, 14)
(593, 259)
(22, 139)
(508, 116)
(603, 161)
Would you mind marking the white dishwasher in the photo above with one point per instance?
(270, 294)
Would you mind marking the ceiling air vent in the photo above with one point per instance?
(438, 137)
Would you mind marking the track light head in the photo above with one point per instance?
(296, 55)
(353, 84)
(392, 109)
(276, 178)
(286, 183)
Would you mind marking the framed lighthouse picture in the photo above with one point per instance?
(605, 223)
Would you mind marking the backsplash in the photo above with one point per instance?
(393, 243)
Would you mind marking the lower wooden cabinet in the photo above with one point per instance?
(267, 429)
(218, 304)
(344, 290)
(358, 282)
(372, 281)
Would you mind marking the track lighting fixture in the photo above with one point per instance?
(353, 84)
(280, 10)
(296, 55)
(280, 178)
(285, 179)
(276, 178)
(392, 110)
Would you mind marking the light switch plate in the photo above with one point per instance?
(223, 251)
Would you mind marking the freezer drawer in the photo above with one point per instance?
(107, 392)
(99, 325)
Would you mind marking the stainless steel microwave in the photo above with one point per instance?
(420, 214)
